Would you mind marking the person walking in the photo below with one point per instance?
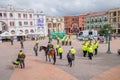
(90, 51)
(69, 58)
(11, 40)
(36, 49)
(21, 58)
(60, 51)
(95, 46)
(57, 46)
(73, 52)
(84, 49)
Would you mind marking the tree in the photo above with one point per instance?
(104, 30)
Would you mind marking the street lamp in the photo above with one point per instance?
(108, 51)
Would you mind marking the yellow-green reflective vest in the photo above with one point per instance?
(60, 50)
(69, 40)
(83, 42)
(90, 49)
(95, 45)
(57, 46)
(84, 47)
(73, 51)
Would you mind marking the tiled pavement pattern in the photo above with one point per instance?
(83, 69)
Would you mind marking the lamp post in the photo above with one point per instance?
(108, 51)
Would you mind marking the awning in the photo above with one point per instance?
(6, 33)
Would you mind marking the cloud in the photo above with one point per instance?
(63, 7)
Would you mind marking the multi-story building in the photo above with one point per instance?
(114, 19)
(21, 22)
(96, 20)
(71, 24)
(55, 23)
(82, 18)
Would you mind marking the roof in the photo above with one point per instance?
(97, 13)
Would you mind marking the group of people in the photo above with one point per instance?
(70, 55)
(90, 48)
(66, 40)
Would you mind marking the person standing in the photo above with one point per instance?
(69, 58)
(69, 41)
(73, 52)
(95, 45)
(84, 49)
(21, 42)
(21, 58)
(90, 51)
(11, 40)
(36, 49)
(60, 51)
(37, 42)
(57, 46)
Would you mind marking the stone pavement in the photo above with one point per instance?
(83, 69)
(39, 70)
(111, 74)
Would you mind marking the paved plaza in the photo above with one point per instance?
(82, 69)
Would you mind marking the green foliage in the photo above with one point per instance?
(104, 30)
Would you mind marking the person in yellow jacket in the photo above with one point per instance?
(95, 46)
(69, 41)
(37, 42)
(84, 49)
(66, 40)
(73, 52)
(60, 51)
(57, 46)
(90, 51)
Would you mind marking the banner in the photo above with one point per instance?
(40, 23)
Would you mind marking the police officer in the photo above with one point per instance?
(60, 51)
(63, 40)
(36, 42)
(66, 40)
(21, 58)
(90, 51)
(69, 41)
(84, 49)
(49, 46)
(95, 45)
(57, 46)
(73, 52)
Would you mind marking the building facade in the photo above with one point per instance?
(71, 24)
(21, 22)
(96, 20)
(55, 23)
(114, 19)
(82, 18)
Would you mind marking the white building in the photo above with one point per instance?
(21, 22)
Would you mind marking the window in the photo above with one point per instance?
(30, 15)
(5, 15)
(11, 15)
(24, 15)
(31, 23)
(25, 23)
(20, 23)
(0, 14)
(11, 23)
(19, 15)
(114, 14)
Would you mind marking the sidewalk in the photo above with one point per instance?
(39, 70)
(111, 74)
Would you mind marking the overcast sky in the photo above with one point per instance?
(63, 7)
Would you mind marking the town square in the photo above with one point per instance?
(38, 45)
